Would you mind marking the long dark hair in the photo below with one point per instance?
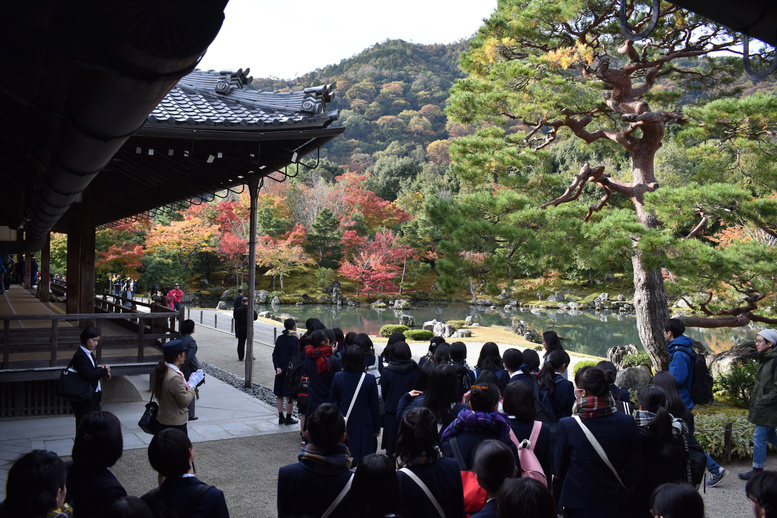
(442, 392)
(552, 340)
(762, 489)
(593, 381)
(555, 360)
(375, 491)
(653, 399)
(32, 486)
(417, 435)
(668, 383)
(490, 359)
(161, 369)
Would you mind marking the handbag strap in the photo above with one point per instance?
(454, 443)
(424, 487)
(355, 395)
(688, 471)
(340, 497)
(598, 448)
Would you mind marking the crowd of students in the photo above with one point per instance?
(511, 437)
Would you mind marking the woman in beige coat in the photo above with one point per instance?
(171, 389)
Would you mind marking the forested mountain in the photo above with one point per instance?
(392, 98)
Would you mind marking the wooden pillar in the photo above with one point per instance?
(253, 189)
(45, 271)
(80, 255)
(27, 270)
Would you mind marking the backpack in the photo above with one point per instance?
(530, 464)
(302, 394)
(294, 372)
(475, 497)
(545, 413)
(701, 385)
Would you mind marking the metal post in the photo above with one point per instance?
(253, 189)
(200, 316)
(216, 320)
(729, 429)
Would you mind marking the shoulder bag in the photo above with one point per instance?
(425, 489)
(72, 386)
(355, 395)
(148, 422)
(599, 449)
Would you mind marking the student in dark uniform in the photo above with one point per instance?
(172, 456)
(320, 367)
(363, 423)
(397, 380)
(285, 349)
(589, 488)
(85, 365)
(322, 476)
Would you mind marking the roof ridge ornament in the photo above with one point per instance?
(230, 80)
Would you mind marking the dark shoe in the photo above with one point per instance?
(750, 474)
(715, 479)
(290, 420)
(193, 418)
(281, 420)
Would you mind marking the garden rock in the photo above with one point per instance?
(265, 314)
(722, 363)
(276, 301)
(621, 297)
(483, 302)
(574, 306)
(262, 296)
(444, 330)
(468, 320)
(407, 320)
(463, 333)
(602, 299)
(350, 301)
(608, 277)
(401, 304)
(504, 295)
(633, 378)
(221, 305)
(227, 295)
(322, 299)
(617, 354)
(378, 304)
(429, 326)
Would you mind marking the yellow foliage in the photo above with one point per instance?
(565, 57)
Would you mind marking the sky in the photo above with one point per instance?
(286, 39)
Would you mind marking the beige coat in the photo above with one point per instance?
(174, 400)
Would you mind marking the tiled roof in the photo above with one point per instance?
(220, 99)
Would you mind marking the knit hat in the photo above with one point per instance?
(770, 335)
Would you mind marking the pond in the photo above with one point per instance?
(584, 332)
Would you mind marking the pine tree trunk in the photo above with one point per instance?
(652, 312)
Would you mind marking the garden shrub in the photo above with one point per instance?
(579, 365)
(640, 358)
(388, 329)
(736, 386)
(709, 431)
(418, 334)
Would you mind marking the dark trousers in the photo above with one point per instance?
(241, 348)
(80, 409)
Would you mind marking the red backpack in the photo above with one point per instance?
(530, 465)
(474, 496)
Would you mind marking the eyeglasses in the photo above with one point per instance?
(753, 499)
(760, 340)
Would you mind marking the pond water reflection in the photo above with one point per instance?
(584, 332)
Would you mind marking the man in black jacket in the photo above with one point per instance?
(241, 327)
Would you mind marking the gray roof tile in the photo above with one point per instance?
(219, 98)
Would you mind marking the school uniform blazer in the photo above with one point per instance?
(443, 479)
(563, 397)
(177, 491)
(366, 409)
(174, 400)
(396, 385)
(528, 380)
(191, 363)
(302, 492)
(83, 365)
(470, 440)
(285, 349)
(488, 511)
(587, 481)
(89, 492)
(319, 384)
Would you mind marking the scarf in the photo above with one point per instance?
(420, 459)
(644, 417)
(325, 461)
(320, 354)
(591, 407)
(471, 421)
(401, 366)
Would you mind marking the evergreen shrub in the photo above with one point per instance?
(388, 329)
(456, 324)
(640, 358)
(736, 386)
(709, 431)
(418, 334)
(579, 365)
